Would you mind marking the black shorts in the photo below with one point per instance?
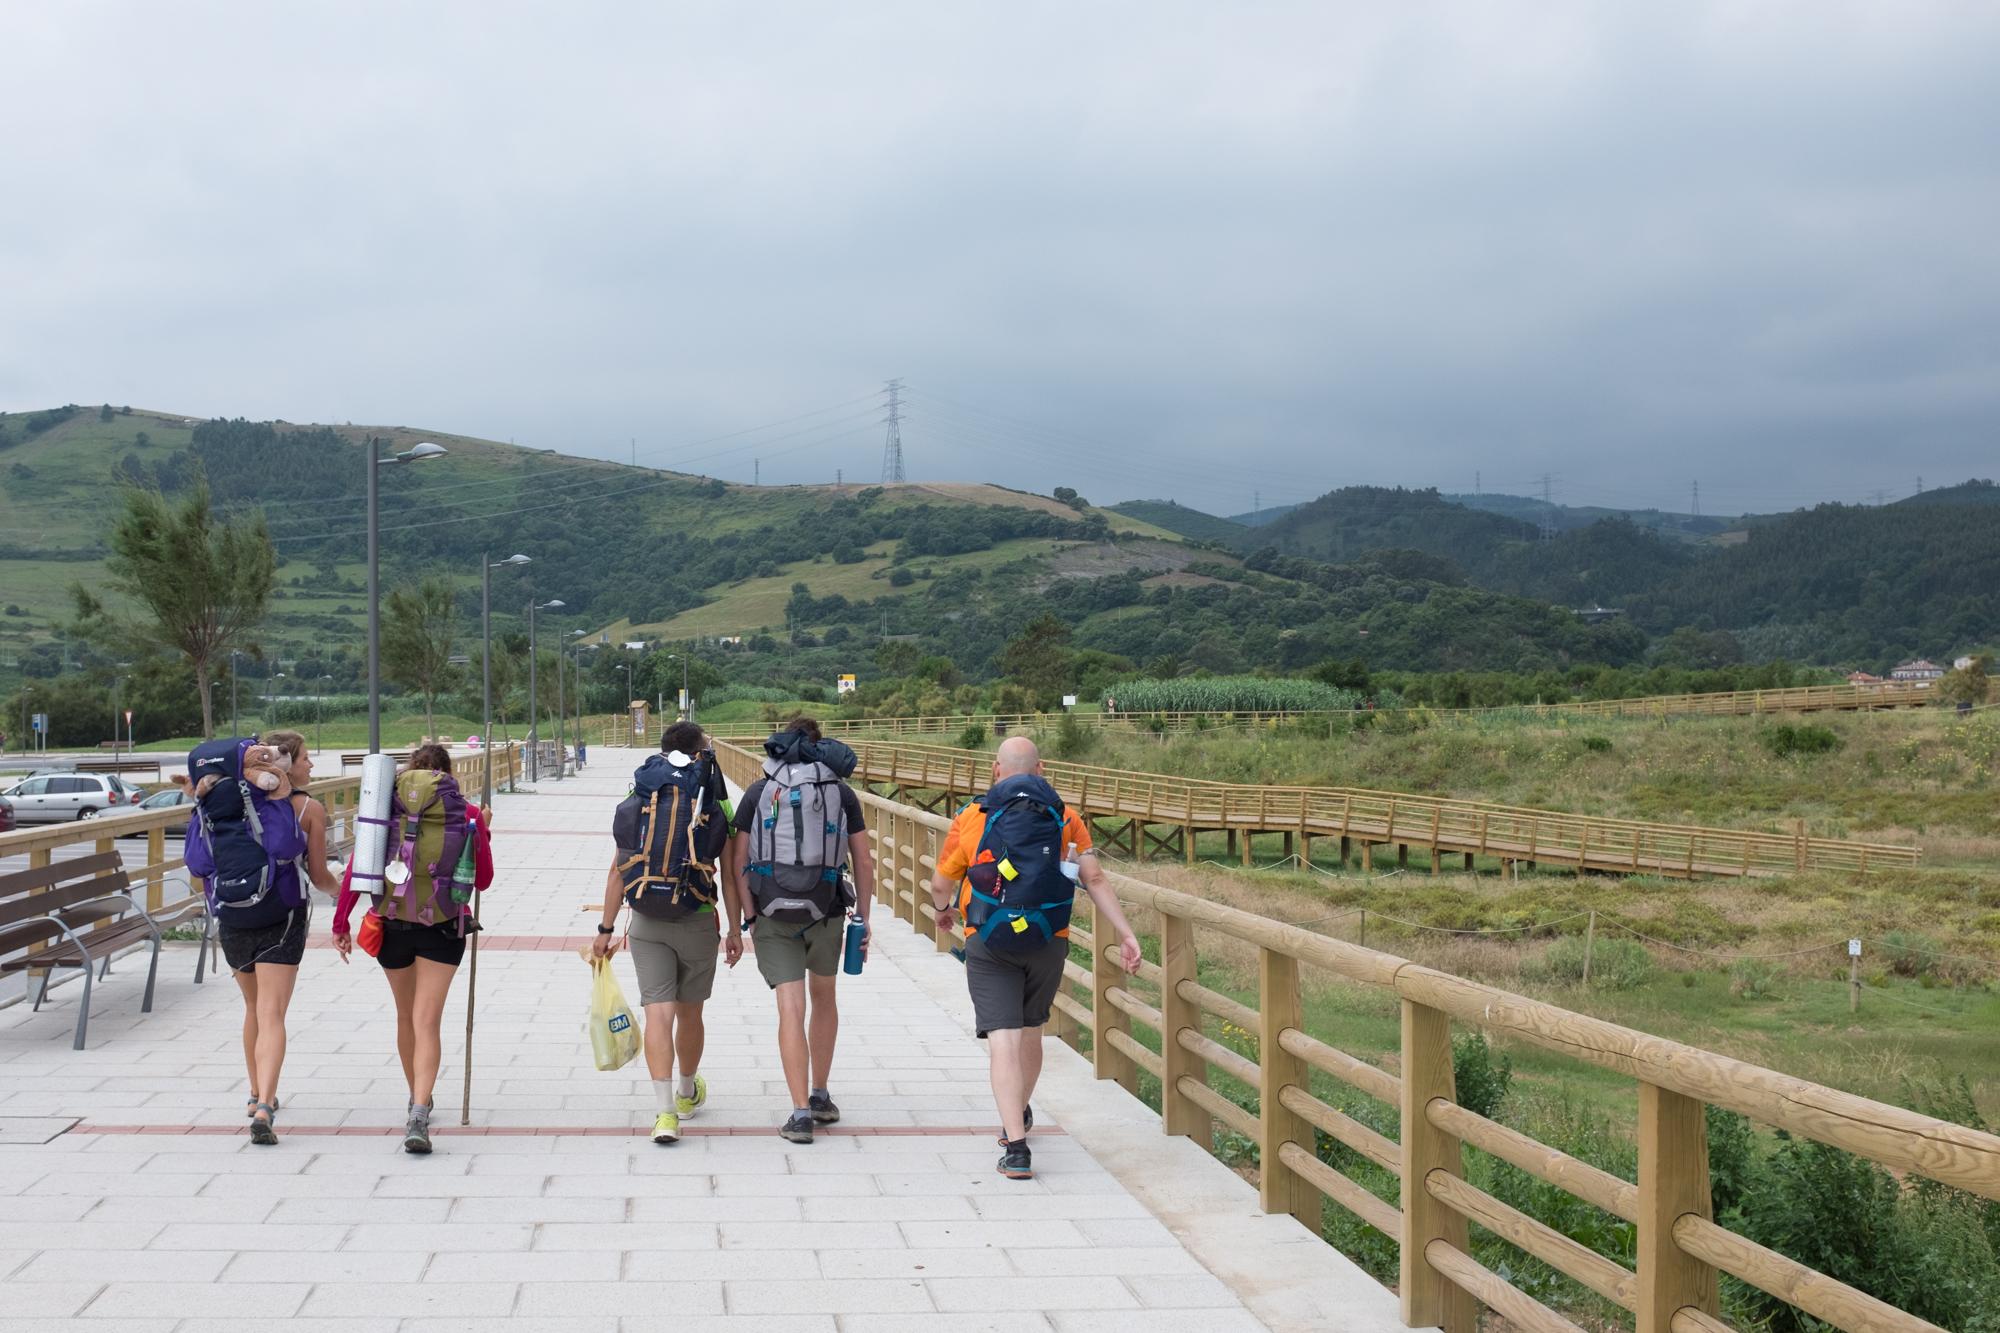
(404, 943)
(282, 942)
(1013, 990)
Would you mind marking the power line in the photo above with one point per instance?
(892, 444)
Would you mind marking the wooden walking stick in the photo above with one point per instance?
(471, 1000)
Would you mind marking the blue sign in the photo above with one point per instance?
(41, 722)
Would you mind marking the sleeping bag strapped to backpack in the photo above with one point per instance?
(427, 835)
(241, 842)
(798, 841)
(1019, 894)
(672, 829)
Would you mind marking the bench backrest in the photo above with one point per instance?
(60, 884)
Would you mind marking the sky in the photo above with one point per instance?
(1225, 254)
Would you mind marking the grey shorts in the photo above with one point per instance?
(783, 954)
(675, 959)
(1013, 990)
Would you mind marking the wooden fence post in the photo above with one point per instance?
(156, 852)
(1673, 1180)
(1430, 1299)
(1179, 1115)
(1105, 1016)
(1280, 1189)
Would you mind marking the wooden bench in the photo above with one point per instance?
(117, 766)
(85, 904)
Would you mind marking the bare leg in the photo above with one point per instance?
(792, 1038)
(1031, 1062)
(274, 997)
(690, 1037)
(1003, 1055)
(433, 983)
(660, 1041)
(403, 986)
(247, 983)
(825, 1028)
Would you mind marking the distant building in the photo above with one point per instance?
(1961, 663)
(1862, 678)
(1595, 615)
(1920, 671)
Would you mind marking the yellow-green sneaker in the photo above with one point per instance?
(688, 1105)
(667, 1128)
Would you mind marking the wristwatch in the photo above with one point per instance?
(603, 929)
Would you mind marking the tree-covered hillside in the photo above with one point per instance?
(1178, 518)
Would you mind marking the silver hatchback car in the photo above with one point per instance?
(51, 798)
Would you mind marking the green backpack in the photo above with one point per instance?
(427, 835)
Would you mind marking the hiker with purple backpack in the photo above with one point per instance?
(249, 845)
(439, 857)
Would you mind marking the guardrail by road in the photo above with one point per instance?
(1681, 1249)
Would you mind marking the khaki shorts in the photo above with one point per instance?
(783, 954)
(675, 959)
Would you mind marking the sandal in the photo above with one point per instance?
(250, 1107)
(262, 1131)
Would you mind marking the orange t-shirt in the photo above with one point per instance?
(961, 843)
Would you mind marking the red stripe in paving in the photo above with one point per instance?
(564, 1131)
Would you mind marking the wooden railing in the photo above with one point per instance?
(1681, 1249)
(1378, 818)
(1795, 699)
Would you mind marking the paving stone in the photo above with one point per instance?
(1041, 1293)
(836, 1296)
(238, 1300)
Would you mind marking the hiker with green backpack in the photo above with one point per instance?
(670, 834)
(798, 826)
(439, 856)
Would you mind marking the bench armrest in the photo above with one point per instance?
(55, 920)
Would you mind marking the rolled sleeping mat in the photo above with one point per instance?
(371, 822)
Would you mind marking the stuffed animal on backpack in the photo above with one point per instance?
(267, 767)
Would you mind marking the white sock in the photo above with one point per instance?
(663, 1093)
(685, 1086)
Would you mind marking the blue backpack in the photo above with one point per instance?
(244, 837)
(1020, 894)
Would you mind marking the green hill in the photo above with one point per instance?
(1177, 518)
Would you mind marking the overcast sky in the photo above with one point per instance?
(1154, 249)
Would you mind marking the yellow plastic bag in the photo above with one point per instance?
(614, 1036)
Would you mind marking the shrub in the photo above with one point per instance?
(717, 695)
(1615, 964)
(1481, 1077)
(1597, 744)
(1909, 954)
(1072, 739)
(1753, 979)
(901, 577)
(973, 737)
(1224, 694)
(1787, 739)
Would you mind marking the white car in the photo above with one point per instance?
(52, 798)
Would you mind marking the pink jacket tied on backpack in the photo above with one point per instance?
(478, 837)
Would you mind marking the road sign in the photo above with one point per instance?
(844, 684)
(41, 722)
(128, 718)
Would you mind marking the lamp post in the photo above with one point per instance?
(534, 699)
(267, 695)
(561, 760)
(687, 699)
(235, 729)
(319, 713)
(414, 454)
(486, 568)
(628, 693)
(578, 634)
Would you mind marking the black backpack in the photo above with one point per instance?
(1021, 894)
(675, 833)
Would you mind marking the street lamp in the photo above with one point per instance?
(687, 699)
(578, 634)
(273, 679)
(486, 568)
(414, 454)
(534, 699)
(233, 728)
(628, 691)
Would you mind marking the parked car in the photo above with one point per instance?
(6, 815)
(51, 798)
(168, 799)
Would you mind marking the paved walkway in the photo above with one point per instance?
(129, 1193)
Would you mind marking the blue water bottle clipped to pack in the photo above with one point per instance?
(851, 956)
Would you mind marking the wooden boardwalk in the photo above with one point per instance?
(1143, 813)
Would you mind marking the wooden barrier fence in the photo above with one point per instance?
(1681, 1249)
(1138, 806)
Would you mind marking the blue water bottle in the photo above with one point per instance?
(857, 933)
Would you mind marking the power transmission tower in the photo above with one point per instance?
(1548, 507)
(1478, 483)
(756, 472)
(838, 477)
(1696, 497)
(1881, 497)
(1920, 485)
(892, 445)
(1256, 503)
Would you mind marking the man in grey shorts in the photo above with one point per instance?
(673, 936)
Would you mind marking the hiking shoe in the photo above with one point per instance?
(1027, 1123)
(1017, 1163)
(822, 1108)
(686, 1106)
(798, 1128)
(417, 1134)
(667, 1128)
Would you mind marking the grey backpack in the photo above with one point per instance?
(798, 843)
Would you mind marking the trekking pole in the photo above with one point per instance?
(471, 1000)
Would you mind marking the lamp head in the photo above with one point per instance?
(422, 450)
(515, 559)
(550, 606)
